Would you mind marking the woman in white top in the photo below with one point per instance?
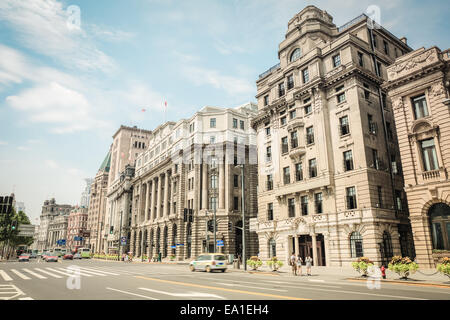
(299, 264)
(292, 262)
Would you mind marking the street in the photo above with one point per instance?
(109, 280)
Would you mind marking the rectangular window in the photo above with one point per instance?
(336, 60)
(429, 156)
(236, 181)
(212, 122)
(373, 127)
(292, 114)
(290, 82)
(298, 172)
(375, 161)
(267, 131)
(351, 198)
(344, 127)
(236, 203)
(340, 97)
(318, 202)
(305, 76)
(420, 107)
(270, 211)
(291, 208)
(386, 47)
(348, 160)
(379, 73)
(235, 123)
(390, 136)
(269, 182)
(308, 109)
(266, 100)
(294, 139)
(284, 145)
(304, 200)
(286, 175)
(312, 168)
(269, 154)
(361, 59)
(283, 121)
(281, 91)
(366, 91)
(375, 41)
(212, 139)
(398, 200)
(309, 135)
(241, 124)
(380, 197)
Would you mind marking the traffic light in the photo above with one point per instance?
(230, 226)
(185, 211)
(191, 215)
(14, 225)
(111, 230)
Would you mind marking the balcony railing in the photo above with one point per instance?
(432, 175)
(275, 67)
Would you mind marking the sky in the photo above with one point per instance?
(73, 71)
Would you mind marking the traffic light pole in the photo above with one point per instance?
(243, 219)
(120, 235)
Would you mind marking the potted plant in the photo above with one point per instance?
(403, 266)
(361, 265)
(444, 266)
(172, 257)
(254, 262)
(274, 263)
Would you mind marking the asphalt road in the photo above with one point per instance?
(107, 280)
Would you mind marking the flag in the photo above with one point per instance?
(165, 104)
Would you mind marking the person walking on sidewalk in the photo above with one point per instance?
(308, 261)
(292, 263)
(299, 264)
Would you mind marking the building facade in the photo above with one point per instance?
(418, 85)
(330, 184)
(76, 228)
(50, 211)
(190, 173)
(86, 194)
(57, 230)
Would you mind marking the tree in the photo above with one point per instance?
(10, 236)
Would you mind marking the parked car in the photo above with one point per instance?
(51, 257)
(33, 256)
(44, 255)
(68, 256)
(24, 257)
(209, 262)
(77, 256)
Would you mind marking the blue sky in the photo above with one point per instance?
(64, 91)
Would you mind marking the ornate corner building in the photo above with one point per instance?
(418, 85)
(189, 173)
(330, 183)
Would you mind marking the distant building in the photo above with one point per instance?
(85, 196)
(76, 228)
(418, 85)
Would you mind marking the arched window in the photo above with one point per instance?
(295, 55)
(356, 245)
(272, 248)
(440, 226)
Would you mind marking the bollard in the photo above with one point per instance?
(236, 264)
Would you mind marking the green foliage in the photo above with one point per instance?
(444, 266)
(403, 266)
(361, 265)
(274, 263)
(254, 262)
(7, 233)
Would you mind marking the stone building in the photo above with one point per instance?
(57, 230)
(128, 143)
(330, 184)
(97, 206)
(418, 85)
(189, 172)
(77, 227)
(50, 210)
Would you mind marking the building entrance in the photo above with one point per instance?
(306, 248)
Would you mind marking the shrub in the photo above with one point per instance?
(274, 263)
(403, 266)
(361, 265)
(254, 262)
(444, 266)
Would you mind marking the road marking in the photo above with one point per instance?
(299, 284)
(5, 276)
(27, 298)
(252, 287)
(92, 272)
(222, 289)
(188, 294)
(313, 280)
(49, 273)
(20, 274)
(131, 293)
(74, 272)
(98, 270)
(7, 290)
(64, 273)
(126, 272)
(34, 274)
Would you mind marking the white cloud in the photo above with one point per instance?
(23, 148)
(3, 143)
(42, 26)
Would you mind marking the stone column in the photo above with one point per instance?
(221, 186)
(152, 200)
(228, 182)
(204, 186)
(297, 250)
(314, 244)
(158, 202)
(146, 206)
(166, 194)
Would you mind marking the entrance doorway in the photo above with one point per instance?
(305, 248)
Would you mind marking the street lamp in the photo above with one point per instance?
(120, 235)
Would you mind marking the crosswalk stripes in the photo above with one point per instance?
(5, 276)
(72, 272)
(49, 273)
(37, 275)
(20, 274)
(107, 272)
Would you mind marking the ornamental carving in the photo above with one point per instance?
(428, 56)
(437, 90)
(397, 104)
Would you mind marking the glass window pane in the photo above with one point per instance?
(437, 237)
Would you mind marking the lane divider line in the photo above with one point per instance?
(131, 293)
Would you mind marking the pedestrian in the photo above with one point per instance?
(383, 271)
(292, 263)
(299, 264)
(308, 261)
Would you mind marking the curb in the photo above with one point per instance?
(406, 282)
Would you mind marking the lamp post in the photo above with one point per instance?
(244, 261)
(120, 235)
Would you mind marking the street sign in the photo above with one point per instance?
(180, 244)
(77, 238)
(220, 243)
(173, 247)
(123, 241)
